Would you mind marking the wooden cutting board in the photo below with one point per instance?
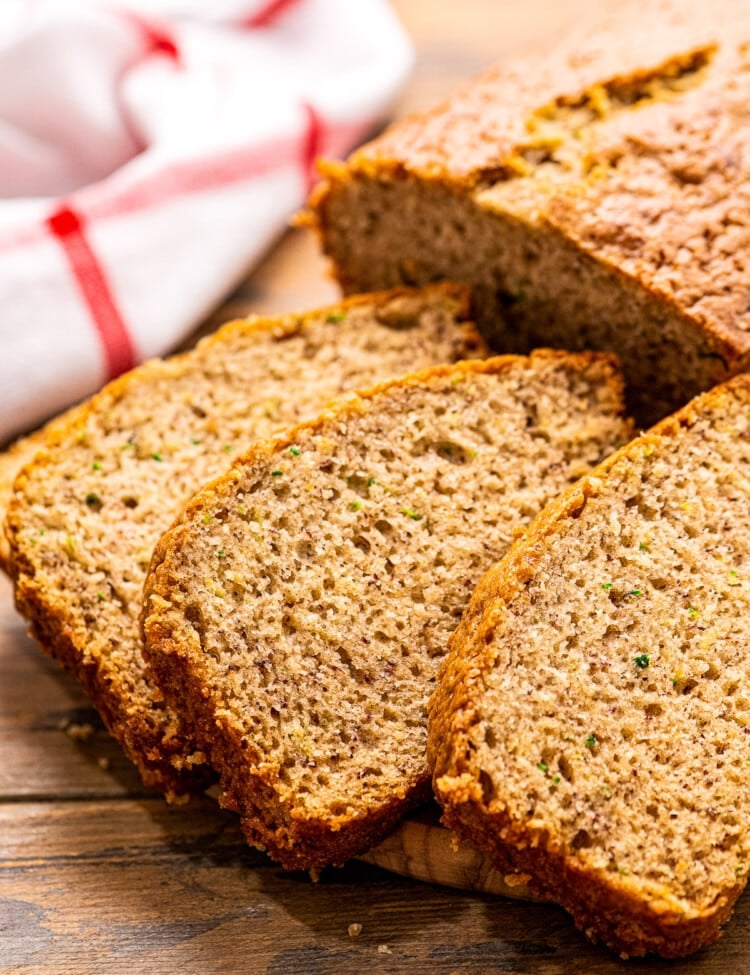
(423, 849)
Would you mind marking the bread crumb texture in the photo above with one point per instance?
(15, 456)
(88, 510)
(592, 726)
(594, 194)
(297, 612)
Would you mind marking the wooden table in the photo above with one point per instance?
(97, 875)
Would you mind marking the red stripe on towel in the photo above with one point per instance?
(202, 175)
(194, 176)
(268, 13)
(312, 147)
(157, 38)
(117, 345)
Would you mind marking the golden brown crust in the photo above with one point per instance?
(623, 914)
(152, 736)
(474, 136)
(296, 841)
(623, 920)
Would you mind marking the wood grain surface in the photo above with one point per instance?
(97, 875)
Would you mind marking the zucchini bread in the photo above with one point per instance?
(590, 729)
(297, 611)
(595, 195)
(87, 511)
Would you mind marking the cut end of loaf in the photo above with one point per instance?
(591, 724)
(299, 609)
(586, 194)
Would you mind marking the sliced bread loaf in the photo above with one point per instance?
(593, 194)
(88, 510)
(297, 611)
(591, 726)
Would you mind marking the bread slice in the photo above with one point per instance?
(590, 729)
(88, 511)
(593, 194)
(297, 612)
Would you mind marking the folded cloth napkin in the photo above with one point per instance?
(149, 152)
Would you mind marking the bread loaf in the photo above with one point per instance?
(590, 729)
(595, 195)
(88, 510)
(296, 613)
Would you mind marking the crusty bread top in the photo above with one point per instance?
(88, 510)
(594, 705)
(633, 141)
(475, 136)
(298, 608)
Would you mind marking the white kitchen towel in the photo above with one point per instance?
(149, 152)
